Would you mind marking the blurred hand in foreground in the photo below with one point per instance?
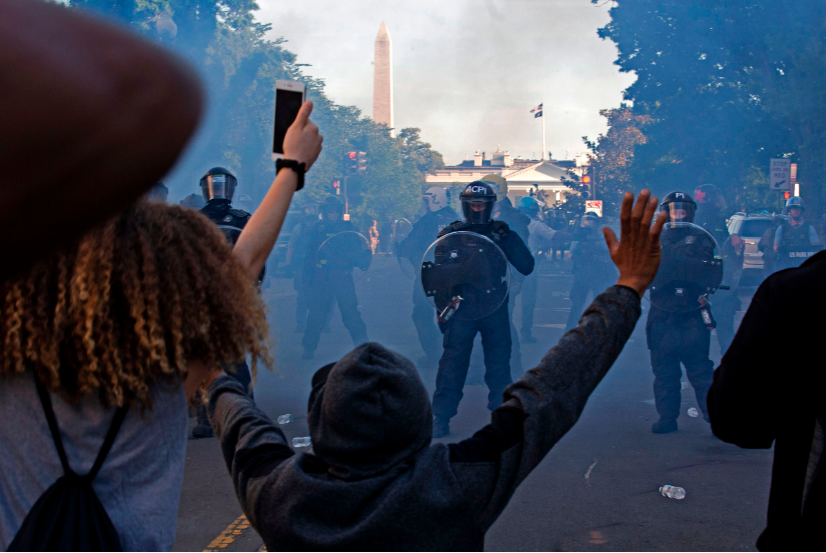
(637, 253)
(302, 141)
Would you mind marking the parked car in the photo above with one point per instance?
(750, 227)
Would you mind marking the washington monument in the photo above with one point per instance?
(383, 79)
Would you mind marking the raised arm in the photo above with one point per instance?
(93, 116)
(302, 143)
(547, 401)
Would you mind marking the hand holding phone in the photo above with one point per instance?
(289, 97)
(302, 142)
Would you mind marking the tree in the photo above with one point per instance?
(727, 85)
(613, 154)
(239, 67)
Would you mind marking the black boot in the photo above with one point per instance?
(664, 426)
(441, 427)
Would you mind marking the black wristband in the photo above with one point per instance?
(299, 168)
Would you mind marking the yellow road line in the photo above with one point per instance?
(229, 535)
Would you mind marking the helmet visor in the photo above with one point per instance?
(218, 186)
(477, 210)
(680, 212)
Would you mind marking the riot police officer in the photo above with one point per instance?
(795, 240)
(710, 215)
(218, 187)
(478, 198)
(593, 270)
(328, 276)
(678, 329)
(438, 215)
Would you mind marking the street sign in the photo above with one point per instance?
(794, 173)
(594, 205)
(780, 174)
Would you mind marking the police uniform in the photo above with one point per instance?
(795, 245)
(727, 302)
(682, 333)
(593, 270)
(413, 248)
(328, 279)
(495, 328)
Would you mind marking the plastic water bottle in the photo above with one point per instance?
(693, 413)
(302, 442)
(284, 419)
(673, 492)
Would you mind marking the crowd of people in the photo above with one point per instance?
(115, 324)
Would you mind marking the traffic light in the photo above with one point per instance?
(337, 187)
(351, 162)
(586, 180)
(361, 163)
(786, 195)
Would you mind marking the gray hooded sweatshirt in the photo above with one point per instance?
(373, 480)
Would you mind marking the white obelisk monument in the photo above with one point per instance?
(383, 79)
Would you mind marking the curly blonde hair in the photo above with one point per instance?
(132, 302)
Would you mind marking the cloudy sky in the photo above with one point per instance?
(467, 72)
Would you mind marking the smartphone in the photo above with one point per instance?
(289, 96)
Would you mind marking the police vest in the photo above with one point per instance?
(796, 243)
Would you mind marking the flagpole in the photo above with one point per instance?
(542, 157)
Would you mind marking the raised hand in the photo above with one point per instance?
(302, 141)
(637, 253)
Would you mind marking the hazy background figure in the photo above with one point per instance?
(193, 201)
(795, 240)
(158, 193)
(727, 302)
(540, 240)
(374, 236)
(712, 212)
(438, 215)
(592, 267)
(296, 251)
(328, 274)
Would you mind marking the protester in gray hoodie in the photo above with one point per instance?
(373, 480)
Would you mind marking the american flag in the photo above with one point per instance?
(537, 110)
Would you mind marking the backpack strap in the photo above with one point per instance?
(46, 401)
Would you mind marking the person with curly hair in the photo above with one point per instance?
(136, 315)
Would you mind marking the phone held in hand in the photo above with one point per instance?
(289, 96)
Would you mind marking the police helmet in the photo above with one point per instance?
(478, 198)
(680, 207)
(218, 183)
(436, 198)
(529, 206)
(332, 205)
(158, 193)
(193, 201)
(795, 201)
(709, 194)
(589, 220)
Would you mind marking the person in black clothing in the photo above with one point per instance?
(678, 329)
(218, 187)
(439, 215)
(711, 212)
(328, 276)
(478, 198)
(593, 270)
(763, 394)
(727, 302)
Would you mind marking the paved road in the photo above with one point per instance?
(596, 490)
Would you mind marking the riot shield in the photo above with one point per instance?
(465, 276)
(401, 229)
(343, 251)
(230, 232)
(691, 269)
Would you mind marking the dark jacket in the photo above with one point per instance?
(424, 233)
(320, 261)
(373, 480)
(769, 389)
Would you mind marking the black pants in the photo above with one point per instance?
(516, 348)
(726, 307)
(453, 366)
(529, 291)
(674, 339)
(301, 304)
(587, 279)
(424, 319)
(338, 287)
